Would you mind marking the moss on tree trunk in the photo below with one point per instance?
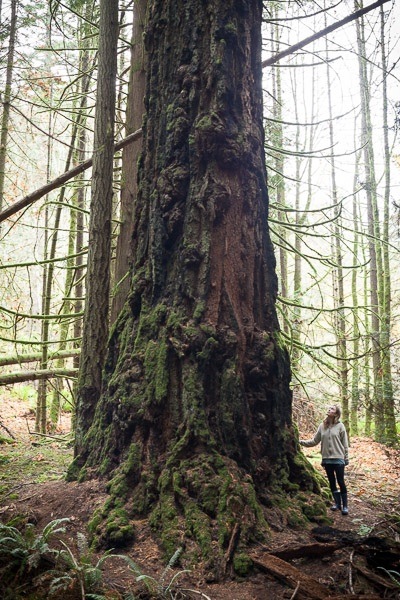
(194, 426)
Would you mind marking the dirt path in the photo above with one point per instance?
(31, 483)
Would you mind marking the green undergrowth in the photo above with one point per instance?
(45, 564)
(32, 461)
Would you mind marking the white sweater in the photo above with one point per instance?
(334, 443)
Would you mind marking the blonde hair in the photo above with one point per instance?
(327, 422)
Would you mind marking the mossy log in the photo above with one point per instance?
(17, 359)
(20, 376)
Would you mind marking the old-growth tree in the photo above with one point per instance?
(193, 427)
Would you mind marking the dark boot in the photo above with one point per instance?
(345, 510)
(338, 501)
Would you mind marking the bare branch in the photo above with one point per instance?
(292, 49)
(62, 179)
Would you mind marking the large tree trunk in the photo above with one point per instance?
(194, 423)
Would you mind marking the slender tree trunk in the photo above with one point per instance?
(130, 157)
(300, 220)
(41, 409)
(389, 413)
(194, 423)
(375, 253)
(95, 326)
(7, 99)
(338, 269)
(80, 197)
(355, 377)
(279, 167)
(67, 306)
(368, 387)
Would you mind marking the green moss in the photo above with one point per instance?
(208, 350)
(199, 311)
(311, 478)
(73, 470)
(95, 521)
(6, 440)
(174, 320)
(296, 519)
(118, 487)
(314, 509)
(111, 528)
(162, 376)
(118, 531)
(281, 501)
(82, 475)
(231, 29)
(164, 520)
(280, 341)
(150, 320)
(198, 527)
(207, 121)
(242, 564)
(105, 466)
(156, 373)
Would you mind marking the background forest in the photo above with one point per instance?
(331, 123)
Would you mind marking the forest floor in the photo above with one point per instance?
(32, 470)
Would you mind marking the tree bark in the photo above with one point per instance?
(338, 275)
(374, 238)
(130, 157)
(95, 327)
(387, 381)
(355, 373)
(7, 99)
(194, 423)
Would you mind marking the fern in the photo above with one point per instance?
(159, 588)
(394, 575)
(28, 548)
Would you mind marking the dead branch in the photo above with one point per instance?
(292, 49)
(8, 431)
(293, 596)
(25, 358)
(19, 376)
(233, 542)
(351, 573)
(61, 180)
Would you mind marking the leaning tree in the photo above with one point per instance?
(193, 427)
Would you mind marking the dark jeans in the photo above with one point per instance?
(335, 473)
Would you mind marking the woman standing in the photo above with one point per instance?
(335, 455)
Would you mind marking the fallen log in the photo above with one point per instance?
(379, 551)
(307, 550)
(307, 587)
(375, 579)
